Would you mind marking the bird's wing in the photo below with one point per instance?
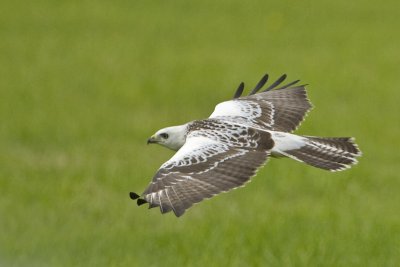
(205, 167)
(278, 109)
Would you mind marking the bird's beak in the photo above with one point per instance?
(152, 140)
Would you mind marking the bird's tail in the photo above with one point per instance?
(328, 153)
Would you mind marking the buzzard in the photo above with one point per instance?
(223, 152)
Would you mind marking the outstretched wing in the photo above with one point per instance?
(204, 167)
(278, 109)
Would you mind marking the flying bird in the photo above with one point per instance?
(223, 152)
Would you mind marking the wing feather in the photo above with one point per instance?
(276, 83)
(260, 84)
(239, 90)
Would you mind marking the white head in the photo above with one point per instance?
(171, 137)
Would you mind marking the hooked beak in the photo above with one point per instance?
(152, 140)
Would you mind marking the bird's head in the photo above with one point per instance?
(171, 137)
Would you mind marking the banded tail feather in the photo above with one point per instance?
(328, 153)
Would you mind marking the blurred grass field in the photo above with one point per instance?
(83, 84)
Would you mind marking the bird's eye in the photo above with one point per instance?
(164, 135)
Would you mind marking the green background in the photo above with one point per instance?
(85, 83)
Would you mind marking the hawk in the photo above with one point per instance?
(223, 152)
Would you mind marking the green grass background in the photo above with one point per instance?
(85, 83)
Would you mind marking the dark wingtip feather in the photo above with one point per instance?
(276, 83)
(260, 84)
(152, 206)
(133, 195)
(179, 212)
(288, 85)
(141, 202)
(239, 90)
